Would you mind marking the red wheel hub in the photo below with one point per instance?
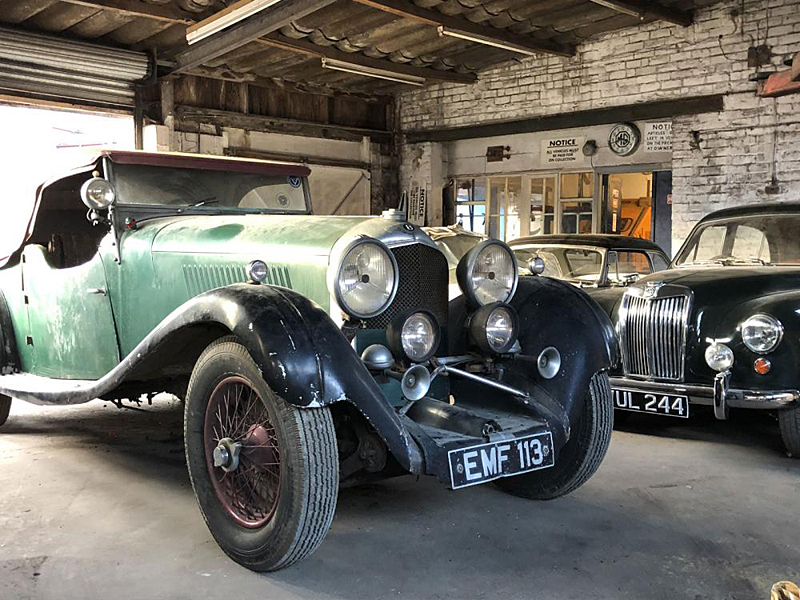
(242, 453)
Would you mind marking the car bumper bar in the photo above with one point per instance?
(719, 395)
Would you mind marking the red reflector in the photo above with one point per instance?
(762, 366)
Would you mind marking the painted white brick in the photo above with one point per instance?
(733, 162)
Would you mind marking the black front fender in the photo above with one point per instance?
(302, 355)
(557, 314)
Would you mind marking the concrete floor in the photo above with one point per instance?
(96, 503)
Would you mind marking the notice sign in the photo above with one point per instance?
(658, 137)
(418, 205)
(562, 151)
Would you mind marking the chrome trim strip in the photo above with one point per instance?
(704, 394)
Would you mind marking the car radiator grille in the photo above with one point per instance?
(423, 279)
(653, 336)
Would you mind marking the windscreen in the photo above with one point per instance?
(746, 240)
(177, 187)
(574, 264)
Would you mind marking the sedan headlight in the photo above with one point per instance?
(762, 333)
(488, 273)
(366, 280)
(415, 336)
(494, 328)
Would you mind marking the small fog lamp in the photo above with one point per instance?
(719, 357)
(415, 336)
(494, 327)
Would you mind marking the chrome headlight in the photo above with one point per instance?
(488, 273)
(494, 328)
(416, 336)
(762, 333)
(719, 357)
(366, 280)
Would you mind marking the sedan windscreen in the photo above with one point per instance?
(167, 186)
(579, 265)
(753, 239)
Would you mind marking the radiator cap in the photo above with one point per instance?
(394, 215)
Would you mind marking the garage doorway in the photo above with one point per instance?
(638, 204)
(39, 143)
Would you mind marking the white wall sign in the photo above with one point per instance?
(562, 151)
(418, 205)
(658, 137)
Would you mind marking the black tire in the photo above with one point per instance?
(5, 408)
(308, 467)
(789, 419)
(580, 457)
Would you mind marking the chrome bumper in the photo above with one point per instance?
(719, 395)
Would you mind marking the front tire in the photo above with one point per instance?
(580, 457)
(269, 502)
(789, 420)
(5, 408)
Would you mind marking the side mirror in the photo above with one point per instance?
(536, 265)
(97, 193)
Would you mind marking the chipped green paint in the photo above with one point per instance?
(164, 263)
(66, 328)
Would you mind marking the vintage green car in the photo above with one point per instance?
(309, 350)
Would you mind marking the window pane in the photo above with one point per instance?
(576, 217)
(750, 242)
(659, 264)
(709, 243)
(577, 185)
(543, 205)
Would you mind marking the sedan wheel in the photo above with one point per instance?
(789, 420)
(5, 408)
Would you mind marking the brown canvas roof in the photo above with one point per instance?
(16, 232)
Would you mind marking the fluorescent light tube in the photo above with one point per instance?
(346, 67)
(489, 41)
(620, 7)
(231, 15)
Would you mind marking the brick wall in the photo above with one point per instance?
(719, 159)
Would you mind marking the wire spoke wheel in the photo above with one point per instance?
(242, 452)
(265, 472)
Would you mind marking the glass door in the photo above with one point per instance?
(471, 204)
(575, 210)
(542, 205)
(504, 207)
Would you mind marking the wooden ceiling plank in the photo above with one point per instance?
(311, 49)
(652, 9)
(247, 31)
(135, 8)
(409, 10)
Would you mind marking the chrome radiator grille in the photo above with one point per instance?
(653, 336)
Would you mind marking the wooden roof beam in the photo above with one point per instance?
(466, 29)
(310, 49)
(249, 30)
(641, 10)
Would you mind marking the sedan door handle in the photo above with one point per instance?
(96, 291)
